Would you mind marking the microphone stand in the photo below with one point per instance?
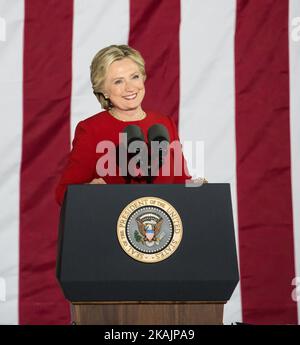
(149, 177)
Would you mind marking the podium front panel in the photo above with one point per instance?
(92, 266)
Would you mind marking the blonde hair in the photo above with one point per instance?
(103, 59)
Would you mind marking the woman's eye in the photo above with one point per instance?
(118, 82)
(136, 76)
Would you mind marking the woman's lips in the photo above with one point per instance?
(130, 97)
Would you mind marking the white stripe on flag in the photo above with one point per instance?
(294, 50)
(207, 99)
(96, 26)
(11, 83)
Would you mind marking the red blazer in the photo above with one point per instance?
(82, 161)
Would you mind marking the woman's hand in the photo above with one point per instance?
(200, 180)
(97, 181)
(197, 182)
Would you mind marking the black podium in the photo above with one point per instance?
(107, 286)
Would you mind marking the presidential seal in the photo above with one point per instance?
(149, 229)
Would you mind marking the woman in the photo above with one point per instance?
(117, 76)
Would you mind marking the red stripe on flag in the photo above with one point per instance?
(263, 162)
(154, 31)
(46, 142)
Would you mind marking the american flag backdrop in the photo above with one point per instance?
(227, 71)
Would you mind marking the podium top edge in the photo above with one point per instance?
(151, 184)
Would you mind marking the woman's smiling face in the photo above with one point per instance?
(124, 85)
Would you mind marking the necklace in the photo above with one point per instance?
(141, 117)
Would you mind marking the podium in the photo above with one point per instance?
(106, 285)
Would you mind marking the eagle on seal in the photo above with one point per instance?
(149, 231)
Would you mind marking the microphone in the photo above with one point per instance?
(134, 133)
(134, 145)
(158, 133)
(159, 140)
